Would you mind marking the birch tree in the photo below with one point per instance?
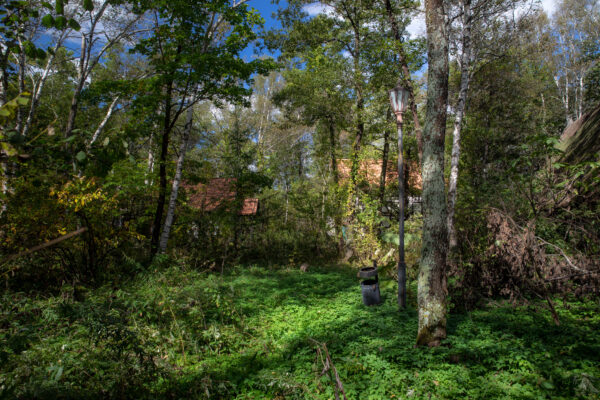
(187, 129)
(576, 27)
(104, 24)
(479, 17)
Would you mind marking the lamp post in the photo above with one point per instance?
(399, 101)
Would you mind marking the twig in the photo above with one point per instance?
(562, 253)
(329, 368)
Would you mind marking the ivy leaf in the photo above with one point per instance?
(8, 149)
(88, 5)
(74, 25)
(22, 100)
(60, 22)
(391, 237)
(48, 21)
(40, 54)
(30, 49)
(60, 7)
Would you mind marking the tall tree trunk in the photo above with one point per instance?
(164, 238)
(580, 103)
(360, 125)
(148, 180)
(384, 161)
(360, 129)
(162, 172)
(39, 86)
(432, 271)
(78, 88)
(4, 177)
(87, 62)
(3, 75)
(408, 83)
(109, 112)
(332, 144)
(37, 94)
(21, 82)
(465, 60)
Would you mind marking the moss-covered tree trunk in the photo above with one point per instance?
(432, 271)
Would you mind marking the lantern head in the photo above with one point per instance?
(399, 99)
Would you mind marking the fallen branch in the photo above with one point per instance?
(329, 368)
(560, 250)
(47, 244)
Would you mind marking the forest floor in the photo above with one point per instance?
(253, 333)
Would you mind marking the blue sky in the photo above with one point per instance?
(267, 9)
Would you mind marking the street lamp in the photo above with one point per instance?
(399, 101)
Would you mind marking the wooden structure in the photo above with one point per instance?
(219, 193)
(370, 171)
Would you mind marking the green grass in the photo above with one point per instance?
(176, 333)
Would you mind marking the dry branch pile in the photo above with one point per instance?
(520, 265)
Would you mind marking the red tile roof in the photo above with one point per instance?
(370, 170)
(216, 193)
(250, 207)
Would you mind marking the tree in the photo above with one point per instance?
(576, 26)
(104, 26)
(432, 290)
(492, 24)
(195, 55)
(406, 77)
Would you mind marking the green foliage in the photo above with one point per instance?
(173, 332)
(16, 14)
(10, 137)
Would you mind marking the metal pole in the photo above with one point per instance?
(401, 263)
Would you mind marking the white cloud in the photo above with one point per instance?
(417, 27)
(317, 8)
(549, 6)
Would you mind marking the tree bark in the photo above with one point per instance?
(3, 75)
(460, 110)
(384, 161)
(360, 125)
(332, 144)
(109, 113)
(408, 83)
(162, 172)
(21, 82)
(432, 271)
(39, 86)
(78, 88)
(4, 177)
(164, 238)
(148, 180)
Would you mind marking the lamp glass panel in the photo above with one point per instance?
(393, 100)
(399, 99)
(404, 103)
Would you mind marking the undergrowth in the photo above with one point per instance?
(252, 333)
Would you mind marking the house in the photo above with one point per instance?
(370, 171)
(218, 193)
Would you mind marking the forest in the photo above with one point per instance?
(290, 199)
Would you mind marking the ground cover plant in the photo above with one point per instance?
(188, 188)
(253, 333)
